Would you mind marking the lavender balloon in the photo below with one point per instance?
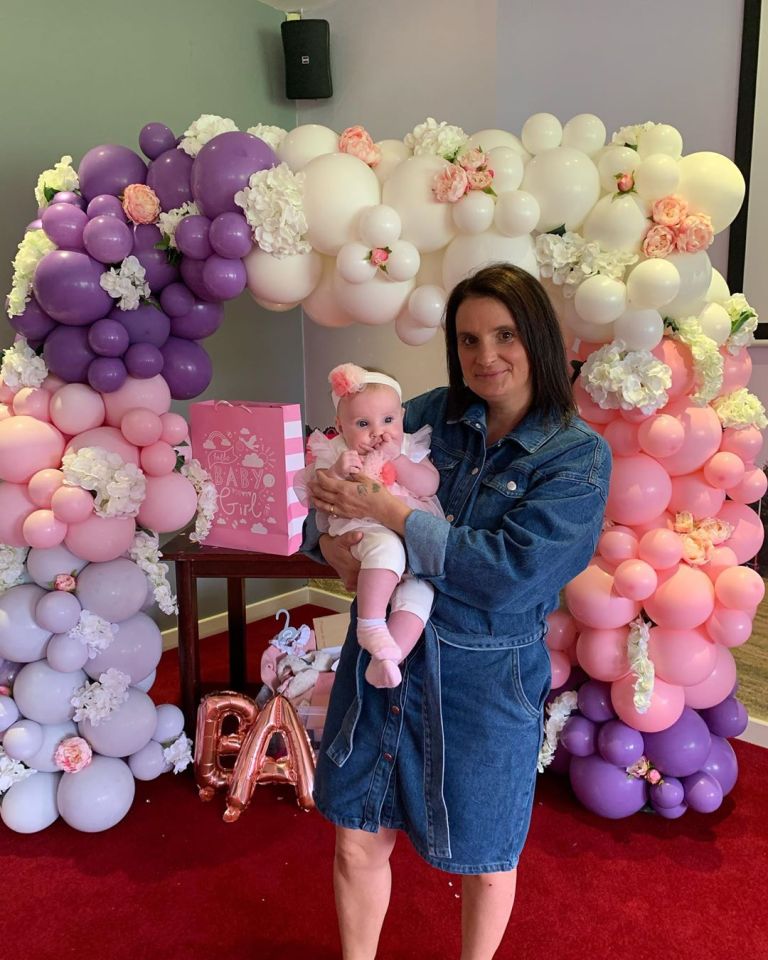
(201, 321)
(187, 368)
(68, 355)
(110, 168)
(146, 236)
(702, 792)
(619, 743)
(156, 138)
(108, 338)
(159, 273)
(192, 274)
(606, 789)
(108, 239)
(107, 374)
(145, 324)
(728, 719)
(64, 223)
(224, 166)
(681, 749)
(579, 736)
(230, 236)
(192, 237)
(668, 793)
(34, 225)
(722, 764)
(177, 300)
(225, 279)
(594, 700)
(105, 205)
(68, 196)
(671, 813)
(169, 176)
(144, 360)
(68, 290)
(34, 323)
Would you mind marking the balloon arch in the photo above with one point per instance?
(125, 272)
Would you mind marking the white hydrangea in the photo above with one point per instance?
(62, 176)
(30, 252)
(97, 700)
(168, 222)
(620, 379)
(558, 712)
(12, 560)
(628, 136)
(569, 259)
(740, 409)
(179, 753)
(146, 554)
(707, 359)
(12, 771)
(439, 139)
(207, 499)
(273, 203)
(272, 136)
(94, 632)
(126, 284)
(118, 487)
(744, 320)
(21, 366)
(205, 128)
(642, 665)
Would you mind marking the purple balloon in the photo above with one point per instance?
(159, 273)
(67, 288)
(177, 300)
(561, 761)
(108, 338)
(702, 792)
(34, 225)
(578, 736)
(224, 166)
(619, 743)
(606, 789)
(671, 813)
(108, 239)
(64, 224)
(594, 699)
(225, 279)
(156, 138)
(144, 360)
(169, 176)
(33, 323)
(681, 749)
(105, 205)
(728, 719)
(201, 321)
(192, 237)
(230, 236)
(187, 369)
(722, 764)
(668, 793)
(110, 168)
(192, 274)
(67, 354)
(146, 236)
(68, 196)
(145, 324)
(9, 670)
(107, 374)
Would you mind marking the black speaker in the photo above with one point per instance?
(307, 47)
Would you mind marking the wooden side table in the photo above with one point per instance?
(193, 561)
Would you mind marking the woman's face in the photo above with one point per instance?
(493, 359)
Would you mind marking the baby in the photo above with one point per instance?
(369, 418)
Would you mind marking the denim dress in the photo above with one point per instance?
(450, 755)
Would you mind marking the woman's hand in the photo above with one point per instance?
(337, 552)
(358, 498)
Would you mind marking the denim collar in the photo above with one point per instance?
(532, 432)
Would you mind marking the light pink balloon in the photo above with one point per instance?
(751, 487)
(740, 588)
(722, 558)
(158, 459)
(72, 504)
(100, 538)
(108, 438)
(603, 653)
(679, 360)
(667, 703)
(561, 630)
(664, 521)
(152, 394)
(170, 503)
(661, 435)
(617, 544)
(737, 369)
(634, 416)
(724, 470)
(42, 486)
(592, 599)
(681, 656)
(748, 533)
(745, 443)
(6, 394)
(587, 407)
(32, 402)
(15, 507)
(639, 490)
(52, 383)
(684, 600)
(76, 408)
(661, 548)
(175, 428)
(622, 438)
(717, 686)
(5, 412)
(691, 492)
(42, 530)
(703, 434)
(26, 446)
(561, 667)
(141, 427)
(635, 579)
(729, 627)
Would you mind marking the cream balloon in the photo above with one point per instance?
(379, 226)
(403, 262)
(718, 288)
(652, 283)
(660, 138)
(541, 131)
(566, 184)
(639, 329)
(426, 305)
(321, 305)
(657, 176)
(274, 308)
(393, 152)
(715, 322)
(411, 332)
(614, 161)
(600, 299)
(353, 263)
(336, 189)
(584, 132)
(571, 323)
(474, 212)
(517, 212)
(695, 271)
(467, 253)
(712, 184)
(426, 223)
(489, 139)
(373, 303)
(306, 142)
(508, 168)
(282, 280)
(617, 223)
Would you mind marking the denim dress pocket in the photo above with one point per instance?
(531, 674)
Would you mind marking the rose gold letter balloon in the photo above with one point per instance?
(211, 744)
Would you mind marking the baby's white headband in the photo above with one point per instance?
(348, 379)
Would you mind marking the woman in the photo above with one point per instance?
(449, 756)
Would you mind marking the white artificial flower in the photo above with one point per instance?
(273, 203)
(205, 128)
(569, 259)
(178, 753)
(127, 283)
(145, 553)
(620, 379)
(207, 499)
(744, 320)
(168, 222)
(12, 560)
(62, 177)
(94, 632)
(642, 665)
(21, 366)
(31, 251)
(12, 771)
(438, 139)
(628, 136)
(740, 409)
(119, 487)
(707, 359)
(97, 700)
(272, 136)
(558, 712)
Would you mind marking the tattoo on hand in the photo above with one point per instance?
(362, 490)
(376, 487)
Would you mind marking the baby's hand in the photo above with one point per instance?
(388, 448)
(350, 463)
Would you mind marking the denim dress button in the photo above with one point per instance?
(388, 757)
(475, 471)
(449, 517)
(511, 485)
(394, 710)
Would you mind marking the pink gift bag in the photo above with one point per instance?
(252, 452)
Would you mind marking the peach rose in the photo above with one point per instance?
(379, 256)
(625, 183)
(473, 159)
(669, 211)
(639, 768)
(479, 179)
(653, 776)
(450, 184)
(684, 522)
(65, 582)
(659, 241)
(357, 142)
(694, 233)
(697, 548)
(718, 531)
(141, 203)
(73, 754)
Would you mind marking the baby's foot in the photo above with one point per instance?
(377, 640)
(384, 674)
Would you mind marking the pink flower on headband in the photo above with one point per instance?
(346, 379)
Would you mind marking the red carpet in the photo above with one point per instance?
(174, 882)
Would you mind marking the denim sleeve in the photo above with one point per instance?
(540, 545)
(310, 543)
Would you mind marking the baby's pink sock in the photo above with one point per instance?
(373, 636)
(384, 674)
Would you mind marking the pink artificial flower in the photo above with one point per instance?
(141, 203)
(357, 142)
(625, 182)
(73, 754)
(653, 776)
(450, 184)
(717, 530)
(65, 582)
(639, 768)
(669, 211)
(694, 233)
(388, 473)
(659, 241)
(479, 179)
(684, 522)
(379, 256)
(473, 160)
(5, 690)
(346, 379)
(697, 548)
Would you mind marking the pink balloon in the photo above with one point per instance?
(150, 394)
(99, 539)
(740, 588)
(748, 533)
(724, 470)
(42, 486)
(661, 548)
(635, 579)
(664, 521)
(603, 653)
(75, 408)
(587, 407)
(745, 443)
(661, 436)
(32, 402)
(15, 507)
(26, 446)
(722, 558)
(561, 630)
(52, 383)
(617, 544)
(72, 504)
(170, 503)
(175, 428)
(667, 703)
(684, 600)
(634, 416)
(592, 599)
(5, 412)
(751, 487)
(681, 656)
(736, 370)
(691, 492)
(108, 438)
(679, 360)
(717, 686)
(703, 434)
(141, 427)
(42, 530)
(639, 490)
(158, 459)
(561, 668)
(6, 394)
(729, 627)
(622, 438)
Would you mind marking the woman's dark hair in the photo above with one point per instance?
(538, 329)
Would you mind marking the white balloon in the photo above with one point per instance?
(44, 565)
(566, 184)
(474, 212)
(149, 762)
(43, 694)
(660, 138)
(304, 143)
(640, 329)
(403, 262)
(712, 184)
(353, 263)
(9, 712)
(426, 305)
(135, 650)
(584, 132)
(374, 303)
(393, 152)
(657, 176)
(21, 639)
(517, 213)
(379, 226)
(30, 805)
(322, 305)
(600, 299)
(489, 139)
(426, 223)
(695, 271)
(508, 168)
(614, 161)
(170, 723)
(467, 253)
(275, 308)
(285, 279)
(52, 735)
(617, 223)
(66, 653)
(127, 729)
(570, 322)
(718, 288)
(22, 740)
(541, 131)
(653, 283)
(97, 797)
(715, 323)
(145, 685)
(411, 332)
(337, 188)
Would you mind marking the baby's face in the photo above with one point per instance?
(365, 417)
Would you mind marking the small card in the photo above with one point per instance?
(331, 631)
